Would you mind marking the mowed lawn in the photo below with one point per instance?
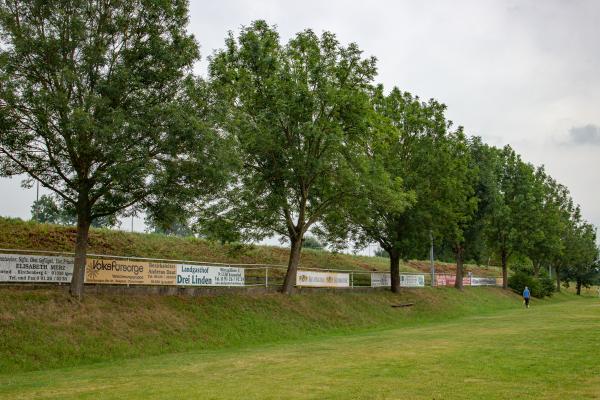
(545, 352)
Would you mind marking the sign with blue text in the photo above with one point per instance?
(209, 275)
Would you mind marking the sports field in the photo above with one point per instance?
(546, 352)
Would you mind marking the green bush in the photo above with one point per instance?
(520, 279)
(311, 242)
(546, 285)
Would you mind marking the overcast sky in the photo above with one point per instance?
(524, 73)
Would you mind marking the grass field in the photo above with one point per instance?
(550, 351)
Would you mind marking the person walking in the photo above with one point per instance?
(526, 296)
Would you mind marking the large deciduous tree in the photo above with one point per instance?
(513, 212)
(299, 113)
(425, 159)
(551, 215)
(93, 102)
(579, 260)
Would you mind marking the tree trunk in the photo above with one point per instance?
(458, 251)
(81, 244)
(536, 268)
(394, 271)
(290, 276)
(578, 287)
(504, 257)
(557, 271)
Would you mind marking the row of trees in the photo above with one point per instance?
(98, 103)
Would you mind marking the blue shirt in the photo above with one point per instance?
(526, 293)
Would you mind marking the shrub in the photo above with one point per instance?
(382, 253)
(546, 285)
(311, 242)
(520, 279)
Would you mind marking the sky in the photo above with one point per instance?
(524, 73)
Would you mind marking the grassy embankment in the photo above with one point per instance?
(316, 346)
(17, 234)
(43, 329)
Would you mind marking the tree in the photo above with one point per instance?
(299, 113)
(47, 210)
(460, 203)
(483, 168)
(382, 253)
(93, 102)
(424, 160)
(513, 212)
(311, 242)
(552, 214)
(582, 257)
(169, 217)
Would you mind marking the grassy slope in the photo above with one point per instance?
(546, 352)
(17, 234)
(43, 329)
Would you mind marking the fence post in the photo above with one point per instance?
(352, 279)
(266, 277)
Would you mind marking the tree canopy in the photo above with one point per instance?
(300, 113)
(99, 103)
(96, 103)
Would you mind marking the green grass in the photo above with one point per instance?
(43, 329)
(549, 351)
(18, 234)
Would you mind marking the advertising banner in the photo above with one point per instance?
(29, 268)
(209, 275)
(449, 280)
(412, 280)
(380, 279)
(476, 281)
(322, 279)
(126, 272)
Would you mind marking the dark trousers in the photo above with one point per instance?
(526, 302)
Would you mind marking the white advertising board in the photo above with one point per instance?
(475, 281)
(412, 280)
(322, 279)
(35, 268)
(209, 275)
(380, 279)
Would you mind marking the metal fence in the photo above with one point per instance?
(267, 275)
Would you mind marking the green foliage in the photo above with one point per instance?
(426, 162)
(547, 286)
(539, 287)
(382, 253)
(93, 97)
(98, 105)
(47, 210)
(584, 266)
(519, 280)
(311, 242)
(168, 220)
(300, 115)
